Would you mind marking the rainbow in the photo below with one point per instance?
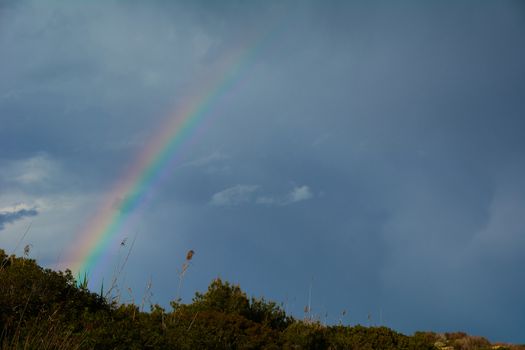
(120, 211)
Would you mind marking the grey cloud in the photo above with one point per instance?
(235, 195)
(32, 171)
(9, 217)
(244, 194)
(297, 194)
(107, 53)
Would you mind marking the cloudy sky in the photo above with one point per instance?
(371, 152)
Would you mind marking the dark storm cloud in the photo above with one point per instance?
(12, 216)
(401, 123)
(410, 123)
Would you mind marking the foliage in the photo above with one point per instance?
(45, 309)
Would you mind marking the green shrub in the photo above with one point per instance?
(45, 309)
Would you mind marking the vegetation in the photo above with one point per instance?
(45, 309)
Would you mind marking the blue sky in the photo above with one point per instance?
(371, 151)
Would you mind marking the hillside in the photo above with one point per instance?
(45, 309)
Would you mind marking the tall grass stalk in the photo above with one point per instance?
(184, 269)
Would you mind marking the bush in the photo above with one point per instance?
(41, 308)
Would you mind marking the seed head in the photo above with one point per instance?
(189, 255)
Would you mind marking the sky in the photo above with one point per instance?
(367, 157)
